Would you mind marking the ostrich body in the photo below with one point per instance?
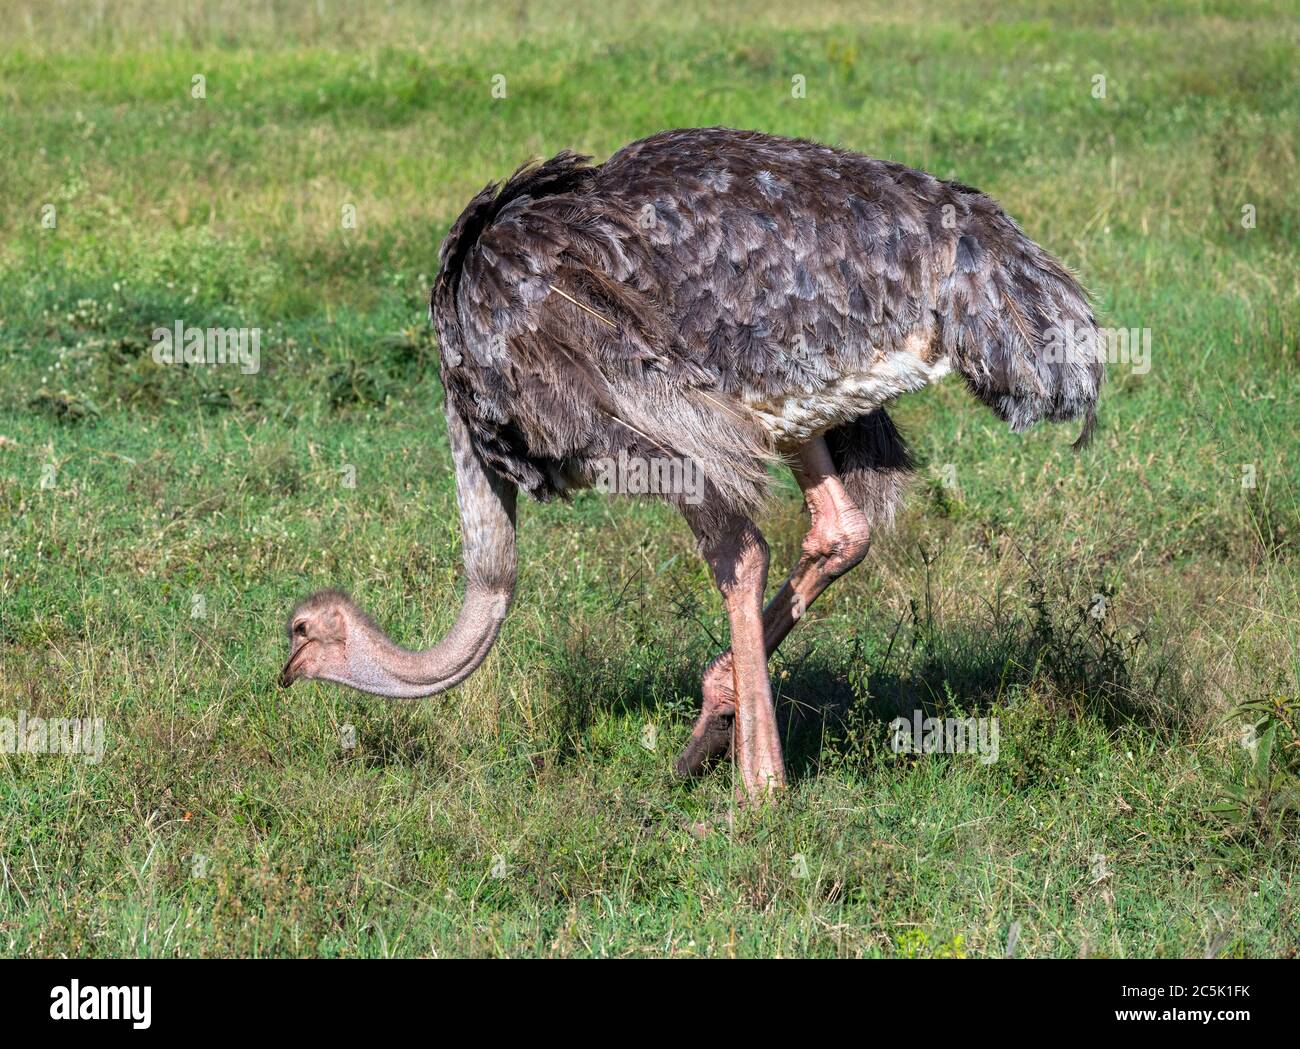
(720, 299)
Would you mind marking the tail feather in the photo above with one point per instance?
(1017, 326)
(1085, 435)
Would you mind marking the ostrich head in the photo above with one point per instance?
(331, 639)
(325, 640)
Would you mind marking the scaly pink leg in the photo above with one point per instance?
(737, 554)
(837, 539)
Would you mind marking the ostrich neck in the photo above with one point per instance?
(487, 516)
(390, 670)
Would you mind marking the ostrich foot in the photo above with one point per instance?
(711, 738)
(760, 763)
(737, 553)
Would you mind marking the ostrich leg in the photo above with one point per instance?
(737, 553)
(837, 539)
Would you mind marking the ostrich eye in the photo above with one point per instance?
(300, 628)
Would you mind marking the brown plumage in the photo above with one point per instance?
(720, 270)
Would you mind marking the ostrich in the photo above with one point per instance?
(722, 299)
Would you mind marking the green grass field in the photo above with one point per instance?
(158, 523)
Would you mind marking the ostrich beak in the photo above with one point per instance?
(290, 673)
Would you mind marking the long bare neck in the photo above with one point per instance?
(487, 517)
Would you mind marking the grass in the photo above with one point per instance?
(157, 524)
